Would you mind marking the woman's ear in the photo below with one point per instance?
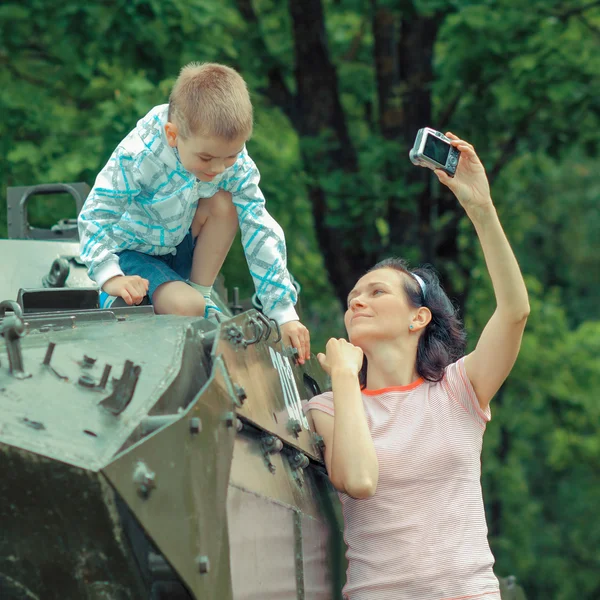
(421, 318)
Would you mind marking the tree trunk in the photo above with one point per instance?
(326, 147)
(403, 49)
(415, 57)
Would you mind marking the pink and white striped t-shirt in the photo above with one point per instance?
(423, 535)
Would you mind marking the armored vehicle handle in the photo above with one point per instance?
(10, 305)
(18, 198)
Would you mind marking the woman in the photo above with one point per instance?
(403, 426)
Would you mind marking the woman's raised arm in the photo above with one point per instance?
(496, 352)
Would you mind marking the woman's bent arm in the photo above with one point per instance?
(349, 451)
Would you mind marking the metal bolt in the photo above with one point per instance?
(272, 444)
(318, 440)
(87, 381)
(235, 336)
(144, 478)
(159, 567)
(299, 461)
(294, 427)
(88, 361)
(240, 392)
(203, 564)
(229, 419)
(104, 378)
(195, 425)
(49, 353)
(293, 354)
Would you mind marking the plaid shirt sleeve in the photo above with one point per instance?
(115, 187)
(263, 241)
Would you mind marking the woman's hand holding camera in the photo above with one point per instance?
(470, 184)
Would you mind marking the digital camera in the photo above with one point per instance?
(434, 150)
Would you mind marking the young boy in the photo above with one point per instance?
(165, 209)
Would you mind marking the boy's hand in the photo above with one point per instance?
(296, 335)
(132, 288)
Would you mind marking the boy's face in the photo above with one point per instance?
(204, 157)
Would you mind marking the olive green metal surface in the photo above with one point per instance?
(184, 511)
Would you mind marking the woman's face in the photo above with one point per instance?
(378, 307)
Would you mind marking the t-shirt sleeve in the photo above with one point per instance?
(457, 384)
(322, 402)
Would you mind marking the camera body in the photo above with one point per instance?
(434, 150)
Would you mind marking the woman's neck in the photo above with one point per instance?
(390, 365)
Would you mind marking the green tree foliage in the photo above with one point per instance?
(76, 77)
(340, 89)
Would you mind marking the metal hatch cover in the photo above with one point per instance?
(175, 482)
(266, 371)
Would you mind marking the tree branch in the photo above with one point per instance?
(592, 28)
(23, 76)
(577, 10)
(510, 147)
(356, 41)
(446, 116)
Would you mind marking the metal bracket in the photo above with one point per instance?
(258, 331)
(58, 274)
(276, 324)
(12, 330)
(270, 444)
(17, 199)
(123, 389)
(48, 358)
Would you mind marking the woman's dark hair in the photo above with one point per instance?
(444, 339)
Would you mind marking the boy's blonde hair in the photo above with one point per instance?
(212, 100)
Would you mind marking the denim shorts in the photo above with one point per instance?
(160, 269)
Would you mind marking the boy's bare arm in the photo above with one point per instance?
(297, 335)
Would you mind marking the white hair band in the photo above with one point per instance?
(420, 282)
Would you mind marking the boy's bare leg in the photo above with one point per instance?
(178, 298)
(215, 224)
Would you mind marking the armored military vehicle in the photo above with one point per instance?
(149, 456)
(146, 456)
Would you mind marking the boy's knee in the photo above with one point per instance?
(178, 298)
(191, 307)
(221, 206)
